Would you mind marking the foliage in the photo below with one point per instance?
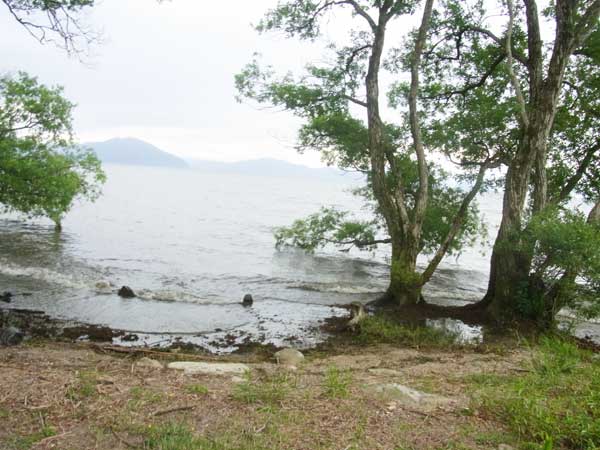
(556, 404)
(338, 102)
(567, 259)
(42, 171)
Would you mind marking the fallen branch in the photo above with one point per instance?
(51, 438)
(143, 351)
(122, 440)
(162, 412)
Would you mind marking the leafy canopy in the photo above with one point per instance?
(329, 97)
(42, 172)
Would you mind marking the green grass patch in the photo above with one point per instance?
(180, 436)
(26, 442)
(196, 389)
(337, 382)
(270, 391)
(141, 396)
(84, 386)
(379, 329)
(555, 405)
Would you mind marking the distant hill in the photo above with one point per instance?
(134, 152)
(267, 166)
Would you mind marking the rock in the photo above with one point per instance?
(103, 287)
(385, 372)
(131, 337)
(149, 363)
(410, 397)
(126, 292)
(6, 297)
(289, 357)
(505, 447)
(11, 336)
(96, 333)
(247, 300)
(191, 368)
(236, 379)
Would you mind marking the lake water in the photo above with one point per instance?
(192, 243)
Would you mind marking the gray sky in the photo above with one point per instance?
(164, 73)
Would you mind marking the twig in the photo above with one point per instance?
(51, 438)
(170, 410)
(124, 441)
(261, 429)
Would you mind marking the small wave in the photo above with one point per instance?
(337, 288)
(43, 274)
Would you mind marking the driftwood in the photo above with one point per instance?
(357, 314)
(135, 351)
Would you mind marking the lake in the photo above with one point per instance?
(191, 244)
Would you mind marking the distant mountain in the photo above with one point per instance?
(134, 152)
(267, 166)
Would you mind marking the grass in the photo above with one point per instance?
(269, 392)
(377, 329)
(172, 436)
(196, 389)
(84, 387)
(337, 382)
(26, 442)
(556, 405)
(141, 397)
(180, 436)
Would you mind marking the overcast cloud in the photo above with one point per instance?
(164, 73)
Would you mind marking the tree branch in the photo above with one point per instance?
(361, 12)
(355, 100)
(456, 224)
(583, 166)
(509, 64)
(469, 87)
(516, 55)
(423, 191)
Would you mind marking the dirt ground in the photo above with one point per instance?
(77, 396)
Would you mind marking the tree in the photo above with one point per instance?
(42, 171)
(408, 196)
(544, 135)
(55, 21)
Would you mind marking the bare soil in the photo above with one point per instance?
(80, 396)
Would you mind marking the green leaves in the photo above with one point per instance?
(567, 259)
(328, 226)
(42, 172)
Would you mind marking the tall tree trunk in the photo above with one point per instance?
(509, 284)
(405, 283)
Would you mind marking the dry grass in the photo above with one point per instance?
(66, 396)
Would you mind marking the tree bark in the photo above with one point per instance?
(405, 283)
(510, 265)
